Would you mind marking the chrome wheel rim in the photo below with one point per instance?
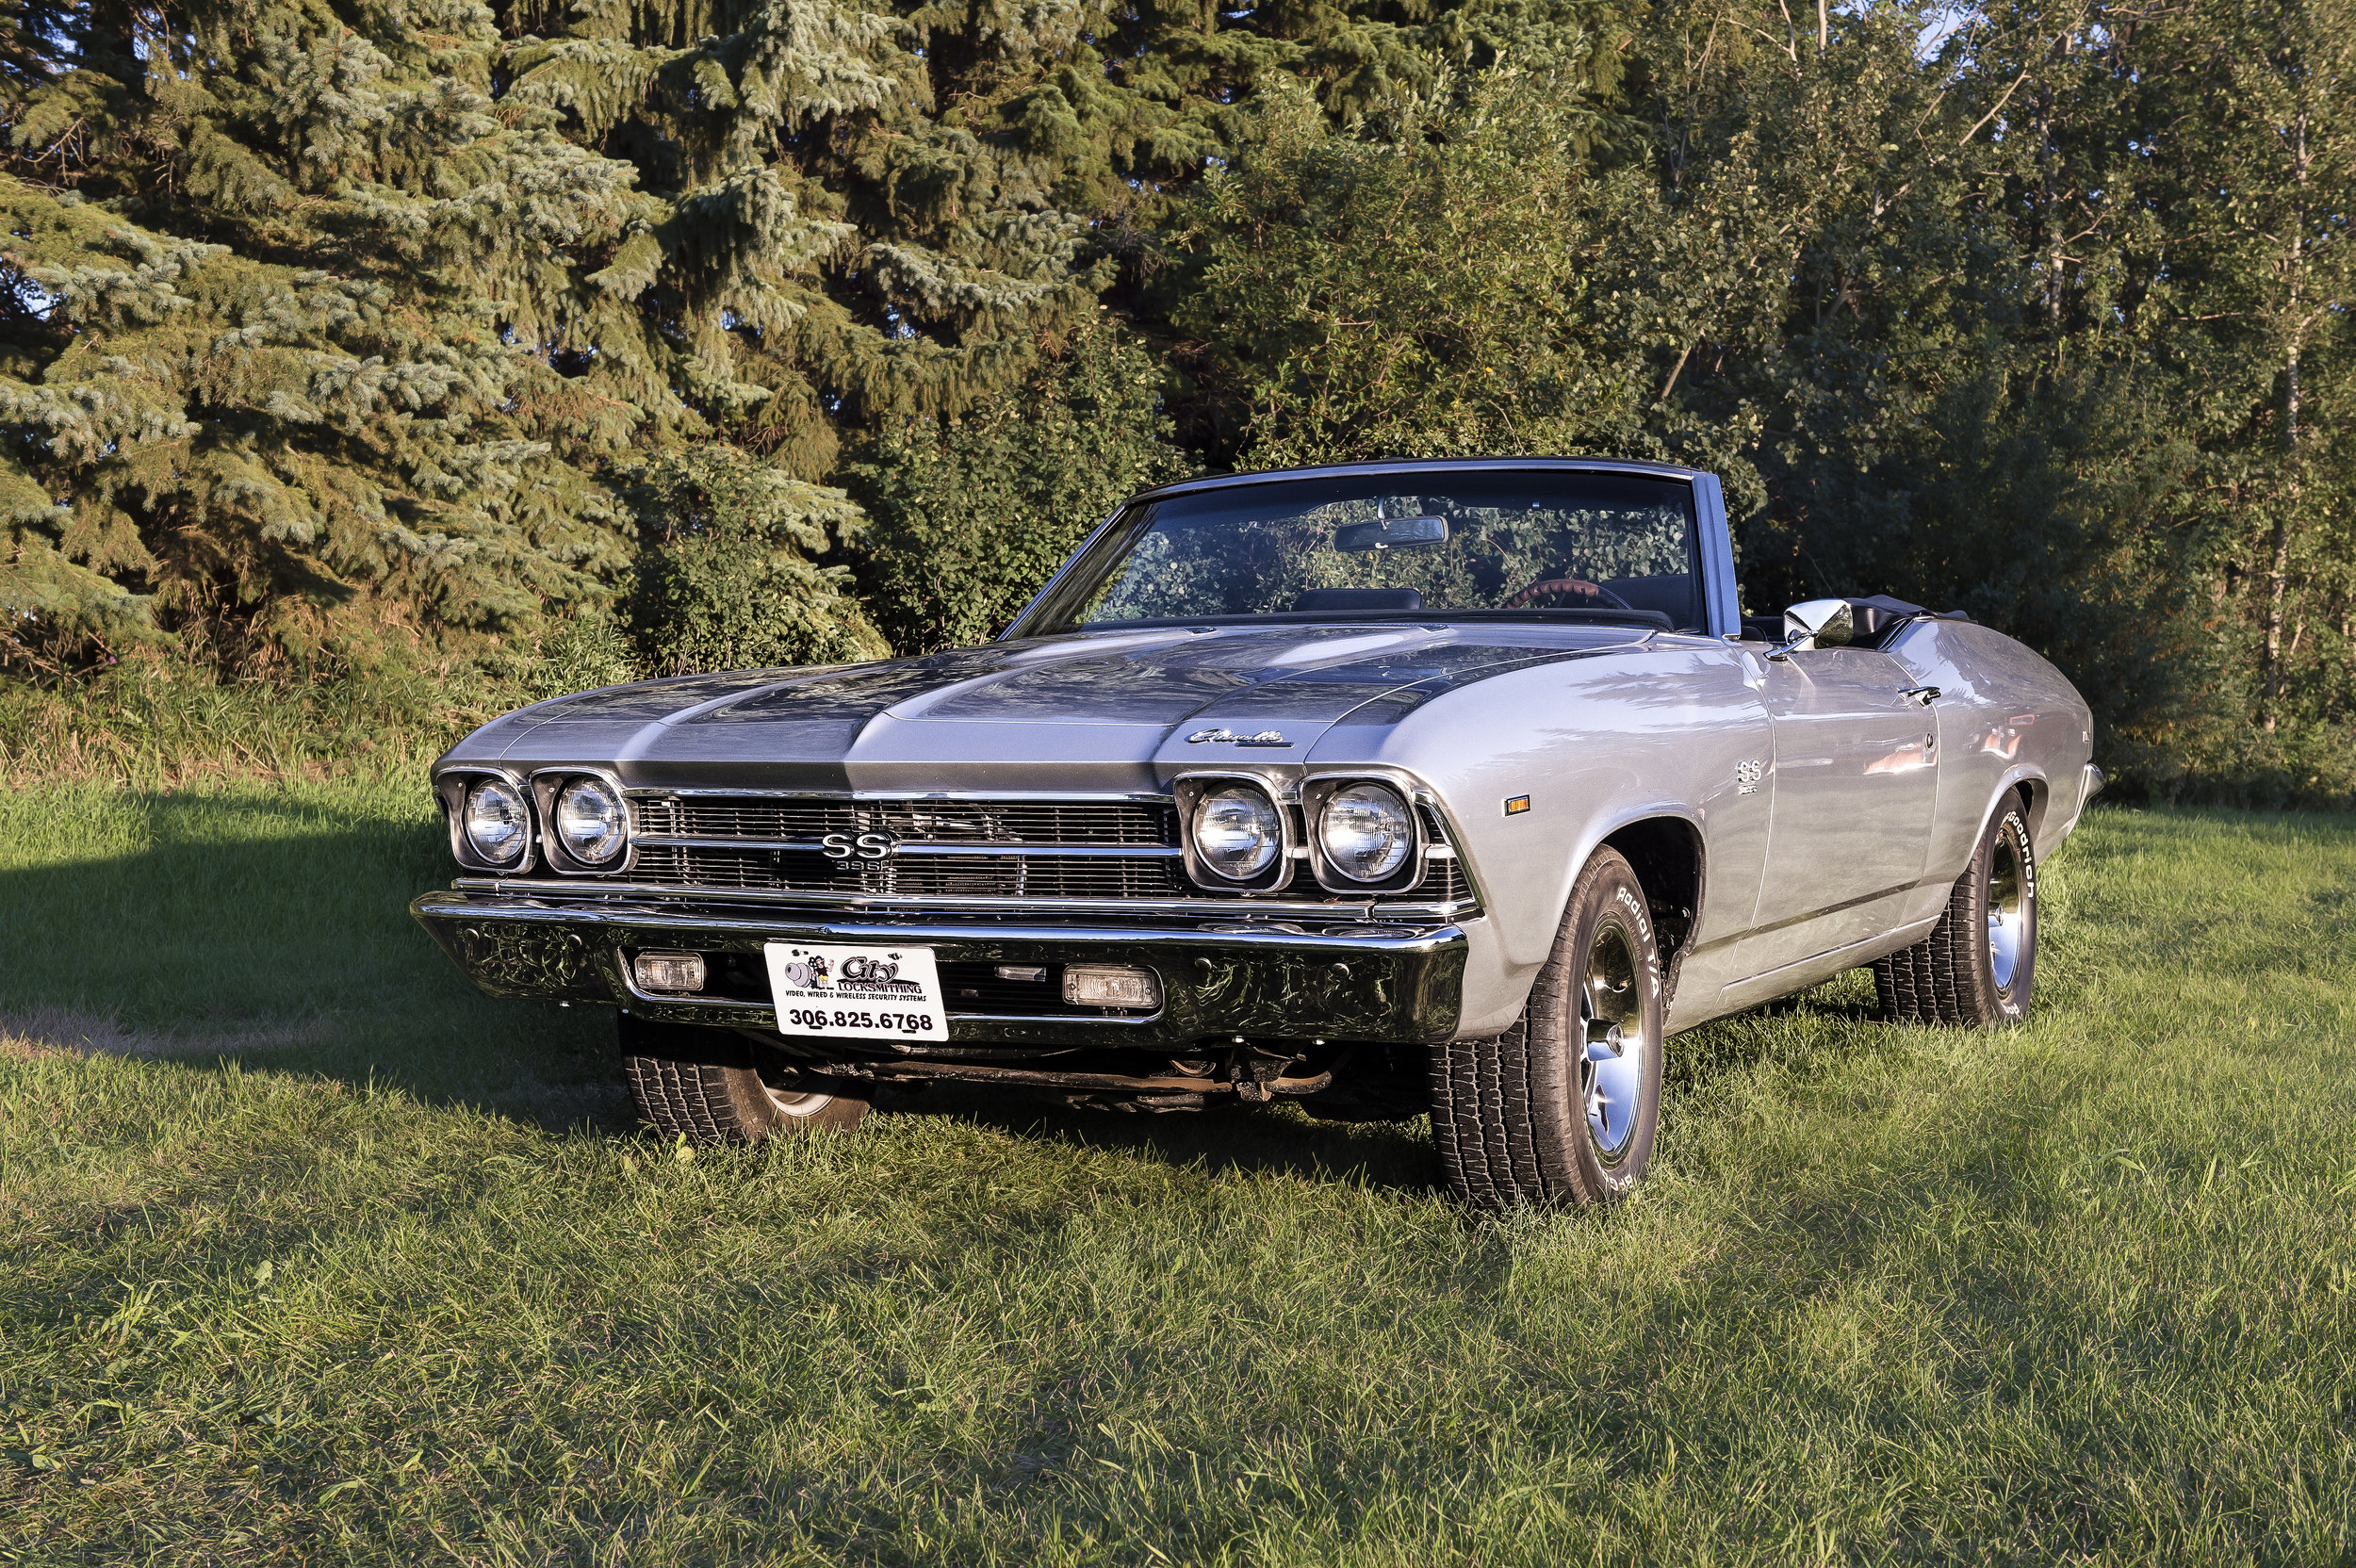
(788, 1100)
(1611, 1025)
(799, 1105)
(2007, 909)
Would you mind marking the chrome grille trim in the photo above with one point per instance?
(1033, 824)
(815, 846)
(1112, 852)
(580, 890)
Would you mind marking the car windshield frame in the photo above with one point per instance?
(1102, 558)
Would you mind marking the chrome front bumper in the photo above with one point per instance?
(1260, 979)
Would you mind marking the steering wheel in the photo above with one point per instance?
(1602, 596)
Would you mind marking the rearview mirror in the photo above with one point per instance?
(1817, 624)
(1391, 533)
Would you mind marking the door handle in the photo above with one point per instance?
(1924, 694)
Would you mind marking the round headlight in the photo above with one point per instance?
(589, 821)
(1235, 832)
(1365, 832)
(496, 821)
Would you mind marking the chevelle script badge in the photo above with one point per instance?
(1228, 737)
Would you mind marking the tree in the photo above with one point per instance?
(726, 579)
(970, 515)
(261, 377)
(2263, 156)
(1450, 278)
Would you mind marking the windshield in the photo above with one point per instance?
(1552, 545)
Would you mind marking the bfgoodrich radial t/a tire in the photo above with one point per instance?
(1563, 1108)
(706, 1086)
(1978, 966)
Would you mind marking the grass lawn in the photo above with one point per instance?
(311, 1253)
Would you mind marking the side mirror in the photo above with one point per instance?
(1817, 624)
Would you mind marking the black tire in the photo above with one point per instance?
(1978, 966)
(1531, 1116)
(707, 1086)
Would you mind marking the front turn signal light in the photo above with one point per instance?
(669, 971)
(1110, 985)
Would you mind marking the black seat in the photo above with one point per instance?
(1359, 599)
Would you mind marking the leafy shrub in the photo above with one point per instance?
(970, 517)
(725, 576)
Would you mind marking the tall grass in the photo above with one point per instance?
(157, 721)
(392, 1278)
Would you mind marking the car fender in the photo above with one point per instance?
(1537, 767)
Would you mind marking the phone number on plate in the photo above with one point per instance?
(818, 1017)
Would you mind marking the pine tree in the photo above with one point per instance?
(274, 376)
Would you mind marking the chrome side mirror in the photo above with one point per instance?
(1817, 624)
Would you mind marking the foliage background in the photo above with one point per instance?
(368, 367)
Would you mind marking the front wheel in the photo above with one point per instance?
(1978, 966)
(1561, 1109)
(707, 1086)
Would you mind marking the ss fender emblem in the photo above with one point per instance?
(866, 846)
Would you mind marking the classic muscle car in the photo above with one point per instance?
(1455, 787)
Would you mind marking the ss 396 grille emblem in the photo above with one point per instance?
(864, 846)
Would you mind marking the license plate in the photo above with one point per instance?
(865, 993)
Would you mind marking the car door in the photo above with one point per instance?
(1855, 788)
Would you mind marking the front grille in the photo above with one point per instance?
(781, 836)
(946, 876)
(1094, 823)
(1442, 882)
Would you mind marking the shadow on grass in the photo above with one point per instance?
(274, 932)
(271, 928)
(1275, 1140)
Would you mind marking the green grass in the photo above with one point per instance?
(393, 1281)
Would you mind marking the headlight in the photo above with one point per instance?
(497, 821)
(1365, 832)
(1237, 835)
(589, 821)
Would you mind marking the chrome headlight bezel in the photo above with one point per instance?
(1316, 793)
(518, 804)
(1393, 817)
(590, 800)
(548, 787)
(455, 790)
(1194, 791)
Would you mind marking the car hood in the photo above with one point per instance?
(1105, 711)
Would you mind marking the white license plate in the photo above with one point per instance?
(866, 993)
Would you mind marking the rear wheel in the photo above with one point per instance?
(1978, 966)
(1563, 1108)
(709, 1086)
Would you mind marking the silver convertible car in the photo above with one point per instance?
(1454, 787)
